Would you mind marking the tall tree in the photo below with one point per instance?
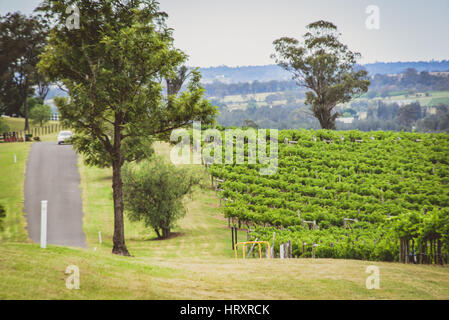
(113, 66)
(325, 66)
(22, 39)
(408, 114)
(175, 83)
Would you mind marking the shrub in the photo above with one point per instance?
(154, 190)
(4, 126)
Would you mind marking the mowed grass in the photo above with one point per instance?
(12, 177)
(197, 263)
(28, 272)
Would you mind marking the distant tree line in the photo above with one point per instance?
(22, 40)
(408, 117)
(411, 81)
(286, 116)
(382, 116)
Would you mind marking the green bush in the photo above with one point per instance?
(4, 126)
(154, 190)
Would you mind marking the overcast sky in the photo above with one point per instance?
(241, 32)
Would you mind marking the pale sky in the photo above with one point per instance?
(241, 32)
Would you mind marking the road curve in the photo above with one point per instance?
(52, 175)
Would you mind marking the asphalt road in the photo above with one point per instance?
(52, 175)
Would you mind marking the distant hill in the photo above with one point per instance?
(399, 67)
(266, 73)
(244, 74)
(273, 72)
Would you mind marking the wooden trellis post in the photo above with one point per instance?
(312, 223)
(290, 249)
(314, 245)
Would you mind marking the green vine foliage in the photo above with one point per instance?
(393, 185)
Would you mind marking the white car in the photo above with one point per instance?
(63, 136)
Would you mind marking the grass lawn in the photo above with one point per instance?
(28, 272)
(12, 177)
(196, 263)
(17, 124)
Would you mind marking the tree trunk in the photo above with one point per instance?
(406, 253)
(326, 119)
(439, 252)
(435, 252)
(117, 186)
(165, 233)
(431, 252)
(25, 110)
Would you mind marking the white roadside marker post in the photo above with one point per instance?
(44, 224)
(15, 159)
(99, 237)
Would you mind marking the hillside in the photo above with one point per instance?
(197, 263)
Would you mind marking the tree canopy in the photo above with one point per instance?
(113, 67)
(40, 114)
(323, 65)
(22, 39)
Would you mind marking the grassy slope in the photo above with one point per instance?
(104, 276)
(196, 264)
(17, 124)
